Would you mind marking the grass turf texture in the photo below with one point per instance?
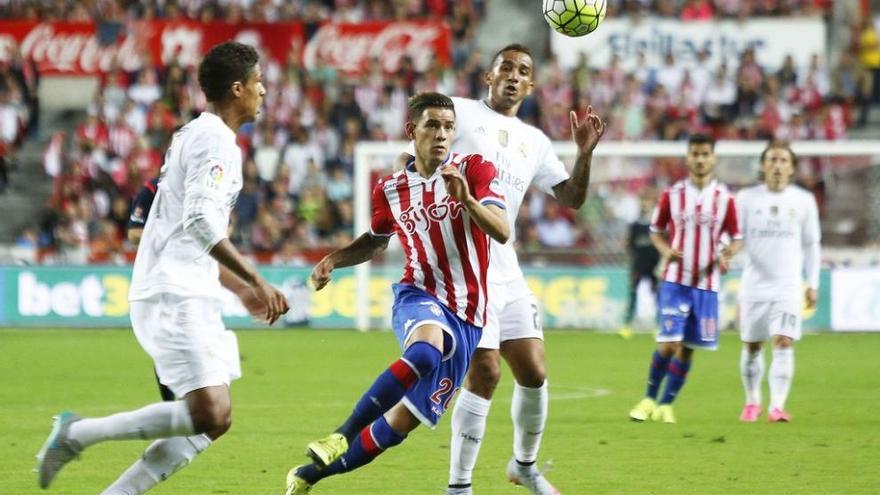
(300, 385)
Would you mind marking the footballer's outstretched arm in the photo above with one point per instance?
(362, 249)
(572, 192)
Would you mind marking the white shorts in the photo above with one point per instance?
(185, 336)
(759, 320)
(512, 314)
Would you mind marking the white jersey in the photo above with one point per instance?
(522, 154)
(781, 235)
(200, 181)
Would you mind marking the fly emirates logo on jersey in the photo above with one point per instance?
(420, 217)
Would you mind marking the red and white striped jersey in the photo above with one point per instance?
(695, 221)
(447, 254)
(121, 140)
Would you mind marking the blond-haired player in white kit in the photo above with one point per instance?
(523, 156)
(780, 227)
(183, 258)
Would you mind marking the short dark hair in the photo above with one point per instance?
(513, 47)
(779, 145)
(422, 101)
(700, 138)
(223, 65)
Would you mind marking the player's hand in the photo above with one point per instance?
(456, 186)
(588, 132)
(274, 299)
(725, 259)
(321, 273)
(254, 306)
(812, 297)
(673, 255)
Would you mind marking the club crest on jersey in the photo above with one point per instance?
(495, 186)
(774, 210)
(137, 215)
(435, 310)
(421, 216)
(503, 137)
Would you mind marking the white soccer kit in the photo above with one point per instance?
(523, 155)
(781, 237)
(175, 289)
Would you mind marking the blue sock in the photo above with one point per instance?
(420, 359)
(369, 444)
(678, 371)
(656, 373)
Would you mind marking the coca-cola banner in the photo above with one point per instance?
(74, 48)
(350, 47)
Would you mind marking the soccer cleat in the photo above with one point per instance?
(58, 450)
(643, 409)
(778, 416)
(530, 478)
(663, 414)
(295, 484)
(750, 413)
(327, 449)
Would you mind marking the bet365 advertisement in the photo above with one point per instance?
(570, 297)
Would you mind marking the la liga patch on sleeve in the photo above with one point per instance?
(215, 176)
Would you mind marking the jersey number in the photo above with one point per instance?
(445, 388)
(789, 321)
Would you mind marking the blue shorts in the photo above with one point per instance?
(688, 315)
(430, 396)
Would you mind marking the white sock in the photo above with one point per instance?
(161, 459)
(781, 373)
(529, 413)
(159, 420)
(751, 369)
(468, 427)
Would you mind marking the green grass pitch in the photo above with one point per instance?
(299, 385)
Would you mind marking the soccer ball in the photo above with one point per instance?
(574, 17)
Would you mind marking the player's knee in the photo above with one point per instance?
(782, 342)
(423, 356)
(533, 377)
(684, 353)
(484, 374)
(213, 421)
(753, 347)
(668, 349)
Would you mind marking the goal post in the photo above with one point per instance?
(614, 160)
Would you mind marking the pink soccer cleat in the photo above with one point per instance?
(750, 413)
(779, 416)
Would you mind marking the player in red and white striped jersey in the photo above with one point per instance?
(694, 227)
(446, 252)
(443, 207)
(695, 220)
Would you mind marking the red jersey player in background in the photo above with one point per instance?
(694, 227)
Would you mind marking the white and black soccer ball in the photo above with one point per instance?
(574, 17)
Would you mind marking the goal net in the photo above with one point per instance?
(844, 176)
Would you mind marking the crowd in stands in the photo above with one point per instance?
(296, 201)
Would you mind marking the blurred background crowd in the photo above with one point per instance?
(296, 201)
